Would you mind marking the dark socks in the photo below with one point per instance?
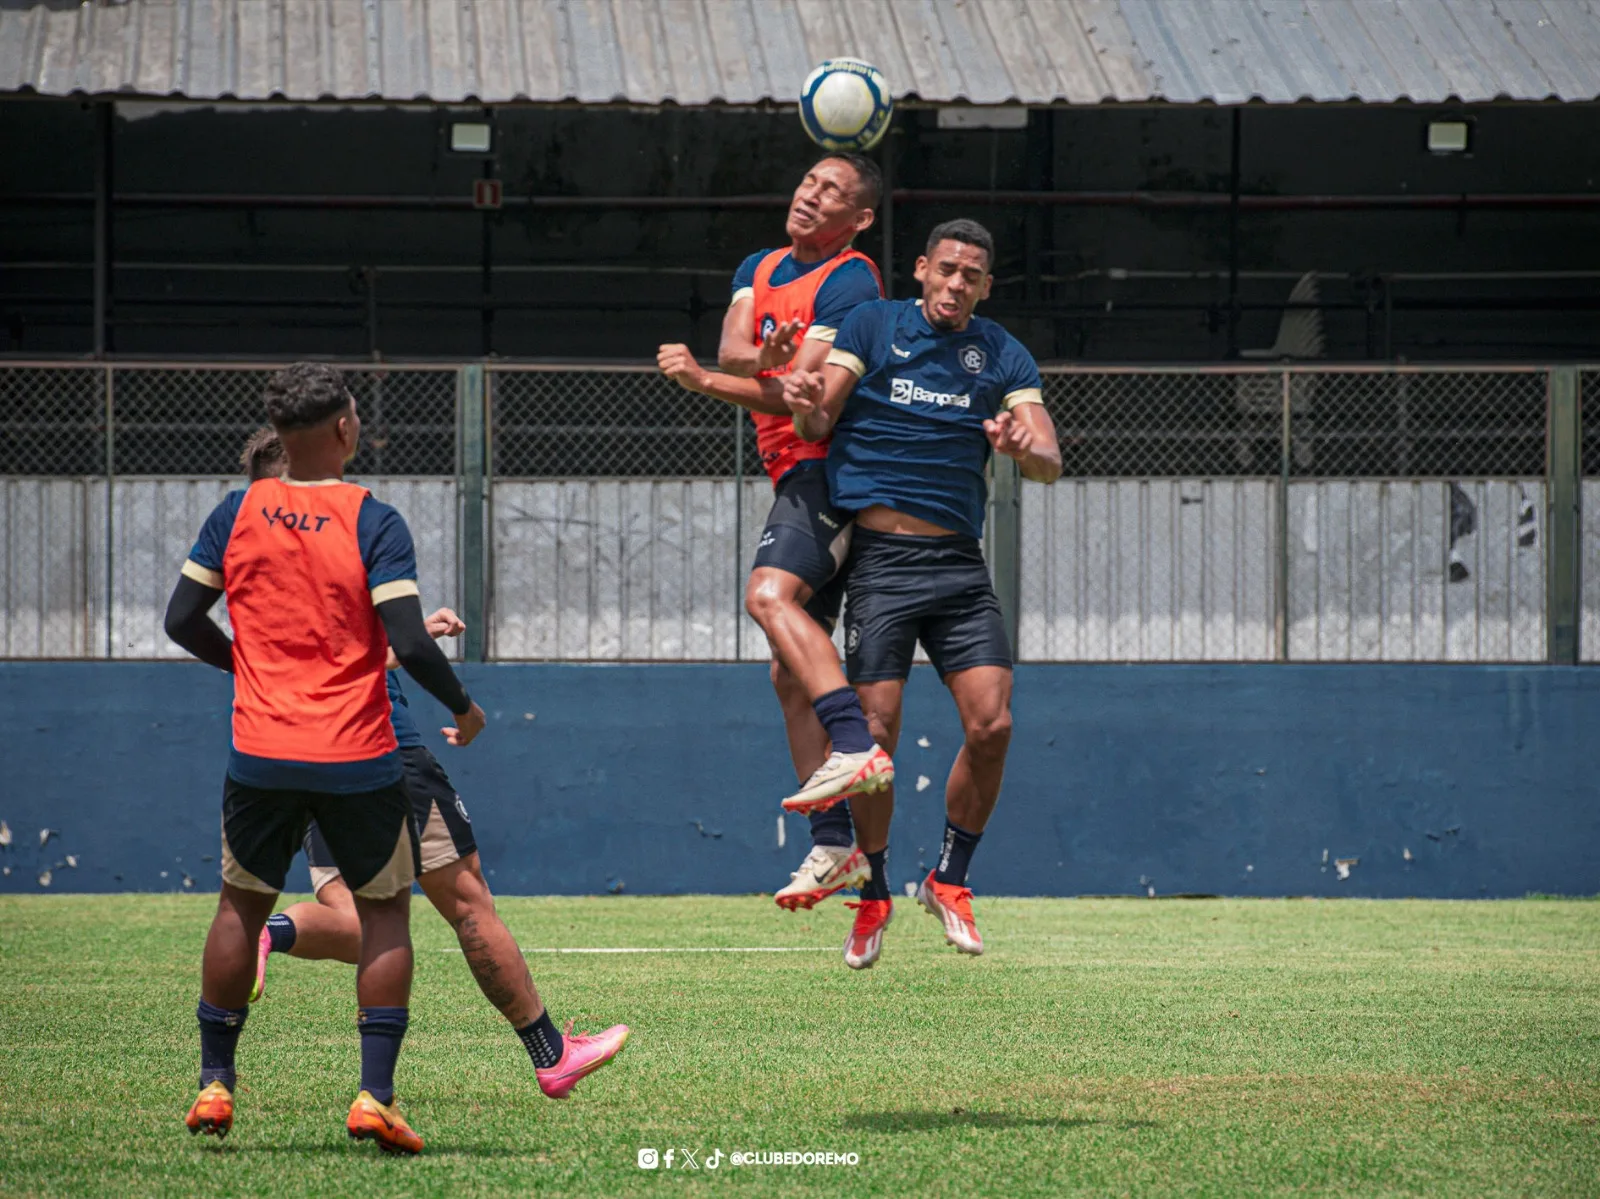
(382, 1030)
(840, 713)
(955, 857)
(281, 933)
(832, 827)
(542, 1041)
(219, 1037)
(878, 885)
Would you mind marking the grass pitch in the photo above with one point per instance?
(1100, 1048)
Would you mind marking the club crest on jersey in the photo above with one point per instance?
(768, 324)
(973, 359)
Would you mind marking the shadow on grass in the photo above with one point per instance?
(933, 1121)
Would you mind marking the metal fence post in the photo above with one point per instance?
(110, 506)
(1285, 463)
(738, 534)
(1563, 471)
(473, 445)
(1005, 543)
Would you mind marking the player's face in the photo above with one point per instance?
(825, 206)
(954, 277)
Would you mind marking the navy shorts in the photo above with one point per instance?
(808, 537)
(439, 819)
(906, 589)
(370, 835)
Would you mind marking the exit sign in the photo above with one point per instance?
(486, 193)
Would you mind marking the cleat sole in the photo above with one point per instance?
(878, 781)
(807, 900)
(384, 1146)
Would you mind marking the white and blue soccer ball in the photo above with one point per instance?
(845, 105)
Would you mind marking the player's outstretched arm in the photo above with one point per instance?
(413, 645)
(816, 398)
(757, 395)
(189, 624)
(1027, 434)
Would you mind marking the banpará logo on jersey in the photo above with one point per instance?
(909, 391)
(973, 359)
(768, 324)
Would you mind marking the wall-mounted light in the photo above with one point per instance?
(1449, 137)
(983, 116)
(470, 139)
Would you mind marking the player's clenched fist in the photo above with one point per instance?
(1009, 436)
(802, 392)
(444, 623)
(679, 365)
(468, 725)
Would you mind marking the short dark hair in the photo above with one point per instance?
(263, 456)
(870, 190)
(963, 230)
(304, 395)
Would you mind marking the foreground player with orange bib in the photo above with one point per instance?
(321, 581)
(449, 874)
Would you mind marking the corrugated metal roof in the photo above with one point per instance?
(753, 51)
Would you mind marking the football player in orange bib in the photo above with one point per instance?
(787, 306)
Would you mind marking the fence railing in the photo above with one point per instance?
(1241, 513)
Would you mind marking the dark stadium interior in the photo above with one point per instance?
(239, 230)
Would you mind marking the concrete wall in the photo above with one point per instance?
(653, 569)
(1248, 780)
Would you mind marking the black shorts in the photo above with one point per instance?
(443, 828)
(906, 589)
(808, 537)
(369, 834)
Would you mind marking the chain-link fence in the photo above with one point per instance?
(1235, 514)
(1305, 514)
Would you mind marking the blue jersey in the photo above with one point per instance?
(911, 435)
(405, 726)
(852, 284)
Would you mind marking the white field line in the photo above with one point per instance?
(687, 949)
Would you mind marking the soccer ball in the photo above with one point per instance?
(845, 105)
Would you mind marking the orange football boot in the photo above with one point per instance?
(370, 1120)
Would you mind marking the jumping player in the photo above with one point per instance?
(916, 395)
(787, 307)
(449, 874)
(321, 581)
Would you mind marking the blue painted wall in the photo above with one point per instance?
(1243, 780)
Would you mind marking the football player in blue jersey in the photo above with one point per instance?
(917, 394)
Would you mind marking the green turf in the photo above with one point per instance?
(1102, 1047)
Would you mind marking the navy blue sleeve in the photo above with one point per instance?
(745, 276)
(387, 551)
(212, 543)
(859, 344)
(1019, 375)
(842, 293)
